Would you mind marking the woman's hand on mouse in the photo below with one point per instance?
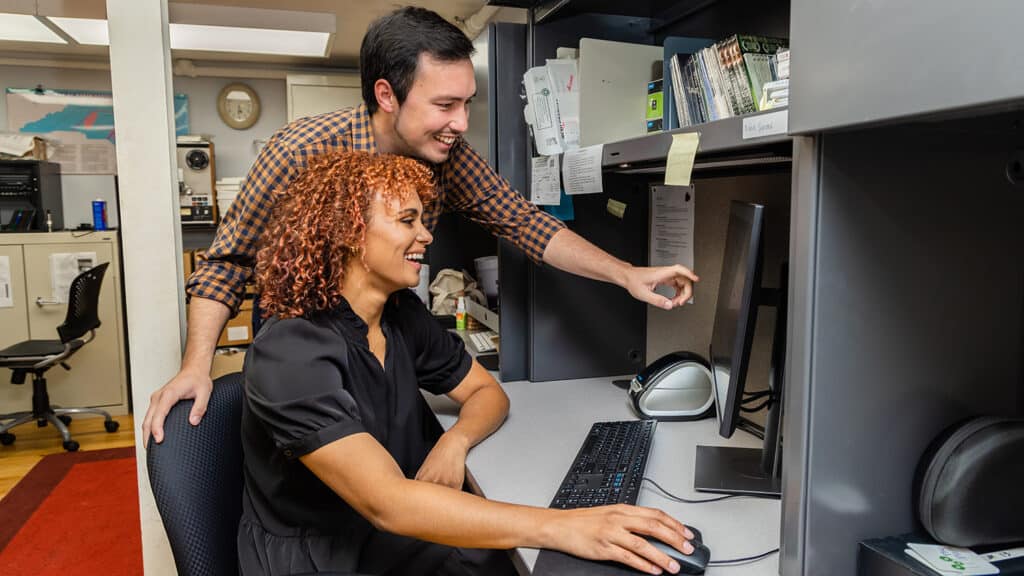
(616, 533)
(446, 462)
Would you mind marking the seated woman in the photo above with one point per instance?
(346, 468)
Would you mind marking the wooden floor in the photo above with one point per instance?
(33, 443)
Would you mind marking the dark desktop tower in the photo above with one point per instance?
(29, 189)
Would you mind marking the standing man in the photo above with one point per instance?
(417, 82)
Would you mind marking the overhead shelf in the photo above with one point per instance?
(720, 141)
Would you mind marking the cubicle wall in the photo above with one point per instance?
(581, 328)
(913, 305)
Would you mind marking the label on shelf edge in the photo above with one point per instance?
(769, 124)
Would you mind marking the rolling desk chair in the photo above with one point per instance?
(38, 356)
(196, 476)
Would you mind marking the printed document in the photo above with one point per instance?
(581, 170)
(545, 181)
(672, 219)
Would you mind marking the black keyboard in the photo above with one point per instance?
(609, 467)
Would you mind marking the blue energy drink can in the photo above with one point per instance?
(99, 214)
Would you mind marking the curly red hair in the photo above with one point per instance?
(319, 224)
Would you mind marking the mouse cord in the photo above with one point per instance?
(672, 496)
(724, 563)
(740, 561)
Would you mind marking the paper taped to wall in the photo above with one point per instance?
(545, 181)
(64, 266)
(672, 220)
(581, 170)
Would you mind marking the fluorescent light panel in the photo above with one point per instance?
(249, 40)
(208, 38)
(84, 30)
(26, 28)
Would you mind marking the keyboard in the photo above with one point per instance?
(609, 467)
(483, 341)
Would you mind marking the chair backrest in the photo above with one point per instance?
(196, 476)
(83, 304)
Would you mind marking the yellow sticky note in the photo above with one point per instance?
(679, 164)
(616, 208)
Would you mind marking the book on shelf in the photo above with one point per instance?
(728, 78)
(655, 116)
(677, 49)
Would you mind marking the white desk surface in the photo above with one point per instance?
(526, 459)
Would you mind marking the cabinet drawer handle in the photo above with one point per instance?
(40, 301)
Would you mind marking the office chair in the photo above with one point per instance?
(196, 476)
(38, 356)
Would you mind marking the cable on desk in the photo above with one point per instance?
(672, 496)
(741, 561)
(745, 408)
(751, 396)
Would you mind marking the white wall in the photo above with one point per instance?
(235, 151)
(234, 148)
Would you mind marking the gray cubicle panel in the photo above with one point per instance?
(861, 62)
(509, 154)
(908, 298)
(583, 328)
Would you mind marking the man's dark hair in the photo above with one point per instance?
(393, 44)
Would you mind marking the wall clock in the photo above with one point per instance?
(238, 106)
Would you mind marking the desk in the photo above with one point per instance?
(526, 459)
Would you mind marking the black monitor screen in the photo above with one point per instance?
(736, 311)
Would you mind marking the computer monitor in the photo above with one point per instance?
(743, 470)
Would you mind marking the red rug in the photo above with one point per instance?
(75, 513)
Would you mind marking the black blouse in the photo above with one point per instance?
(311, 381)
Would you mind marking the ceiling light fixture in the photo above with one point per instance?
(223, 29)
(250, 30)
(249, 40)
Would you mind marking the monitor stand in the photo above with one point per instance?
(753, 471)
(734, 471)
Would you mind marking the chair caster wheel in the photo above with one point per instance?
(71, 446)
(111, 425)
(65, 419)
(41, 423)
(7, 438)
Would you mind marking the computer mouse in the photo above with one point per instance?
(697, 536)
(694, 563)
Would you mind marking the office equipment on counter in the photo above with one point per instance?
(744, 470)
(483, 341)
(196, 182)
(37, 356)
(968, 484)
(676, 386)
(28, 189)
(609, 466)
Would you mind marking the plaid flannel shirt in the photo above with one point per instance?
(467, 185)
